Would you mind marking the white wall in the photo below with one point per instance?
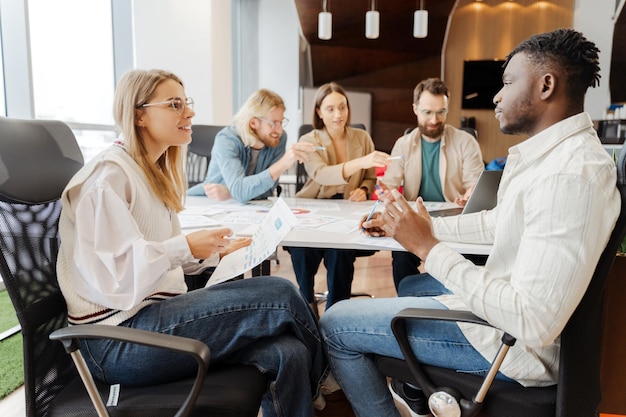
(193, 40)
(279, 28)
(595, 19)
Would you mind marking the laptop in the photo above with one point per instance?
(484, 196)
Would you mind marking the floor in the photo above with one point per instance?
(372, 275)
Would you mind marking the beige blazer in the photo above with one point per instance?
(460, 163)
(326, 175)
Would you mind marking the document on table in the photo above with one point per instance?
(274, 227)
(377, 242)
(194, 221)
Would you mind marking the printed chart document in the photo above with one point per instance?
(274, 227)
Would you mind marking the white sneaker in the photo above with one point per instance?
(416, 408)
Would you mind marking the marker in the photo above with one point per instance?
(393, 158)
(320, 148)
(369, 216)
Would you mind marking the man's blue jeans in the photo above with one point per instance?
(356, 329)
(262, 321)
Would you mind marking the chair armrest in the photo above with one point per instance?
(199, 351)
(398, 326)
(438, 314)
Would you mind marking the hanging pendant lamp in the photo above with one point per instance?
(420, 22)
(324, 23)
(372, 22)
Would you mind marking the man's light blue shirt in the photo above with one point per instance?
(229, 161)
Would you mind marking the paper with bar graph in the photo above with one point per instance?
(278, 221)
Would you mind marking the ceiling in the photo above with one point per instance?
(349, 53)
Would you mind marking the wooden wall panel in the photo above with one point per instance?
(490, 30)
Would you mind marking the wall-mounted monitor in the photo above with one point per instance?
(481, 81)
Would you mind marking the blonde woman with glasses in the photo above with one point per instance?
(123, 258)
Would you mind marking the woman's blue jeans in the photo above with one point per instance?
(261, 321)
(339, 265)
(356, 329)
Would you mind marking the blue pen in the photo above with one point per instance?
(369, 216)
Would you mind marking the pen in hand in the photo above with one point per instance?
(369, 216)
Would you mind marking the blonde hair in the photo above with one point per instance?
(166, 177)
(260, 103)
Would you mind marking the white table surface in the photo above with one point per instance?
(338, 215)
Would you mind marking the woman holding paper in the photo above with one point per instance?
(123, 257)
(342, 168)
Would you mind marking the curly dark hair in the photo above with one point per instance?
(566, 52)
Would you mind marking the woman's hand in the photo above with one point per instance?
(204, 243)
(358, 194)
(217, 192)
(375, 159)
(236, 244)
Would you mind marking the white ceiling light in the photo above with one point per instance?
(372, 22)
(420, 22)
(324, 23)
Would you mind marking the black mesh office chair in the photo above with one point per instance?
(199, 152)
(37, 159)
(578, 391)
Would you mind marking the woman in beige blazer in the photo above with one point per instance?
(342, 168)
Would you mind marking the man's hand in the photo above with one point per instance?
(412, 229)
(373, 226)
(217, 192)
(462, 201)
(383, 192)
(298, 151)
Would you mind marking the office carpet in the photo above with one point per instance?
(11, 359)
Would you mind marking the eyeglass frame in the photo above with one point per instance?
(283, 123)
(429, 113)
(187, 102)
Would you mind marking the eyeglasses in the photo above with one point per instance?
(282, 123)
(429, 113)
(177, 103)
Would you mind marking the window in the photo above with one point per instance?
(72, 60)
(3, 108)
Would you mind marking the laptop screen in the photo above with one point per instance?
(484, 196)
